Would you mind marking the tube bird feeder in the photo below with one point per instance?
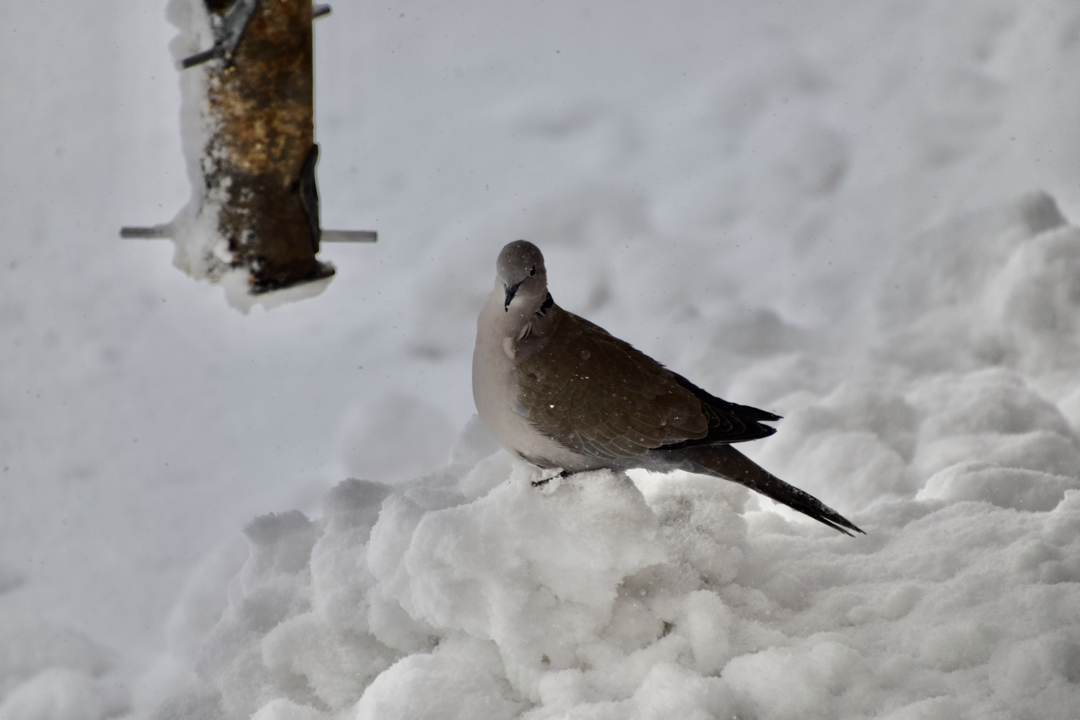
(249, 115)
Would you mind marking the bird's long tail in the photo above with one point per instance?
(727, 462)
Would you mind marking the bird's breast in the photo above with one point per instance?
(497, 395)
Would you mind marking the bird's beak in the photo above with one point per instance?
(511, 290)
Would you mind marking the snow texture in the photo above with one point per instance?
(201, 250)
(470, 592)
(861, 216)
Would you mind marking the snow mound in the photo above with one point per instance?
(997, 288)
(473, 592)
(58, 673)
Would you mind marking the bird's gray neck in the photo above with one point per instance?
(525, 327)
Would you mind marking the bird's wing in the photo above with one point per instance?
(599, 396)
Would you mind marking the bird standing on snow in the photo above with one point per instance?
(559, 392)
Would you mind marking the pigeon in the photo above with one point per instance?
(561, 393)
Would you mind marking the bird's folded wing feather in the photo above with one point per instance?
(598, 395)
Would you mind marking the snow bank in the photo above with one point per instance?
(717, 182)
(472, 593)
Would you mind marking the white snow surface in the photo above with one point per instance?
(858, 215)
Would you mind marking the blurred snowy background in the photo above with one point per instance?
(823, 208)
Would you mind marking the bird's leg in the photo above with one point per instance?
(545, 481)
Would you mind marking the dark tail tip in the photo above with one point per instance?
(730, 464)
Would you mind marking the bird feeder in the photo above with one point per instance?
(249, 112)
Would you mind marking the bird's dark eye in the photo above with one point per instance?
(532, 271)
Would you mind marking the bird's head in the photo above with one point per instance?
(520, 269)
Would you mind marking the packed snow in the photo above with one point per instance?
(859, 216)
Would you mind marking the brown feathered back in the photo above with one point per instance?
(599, 395)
